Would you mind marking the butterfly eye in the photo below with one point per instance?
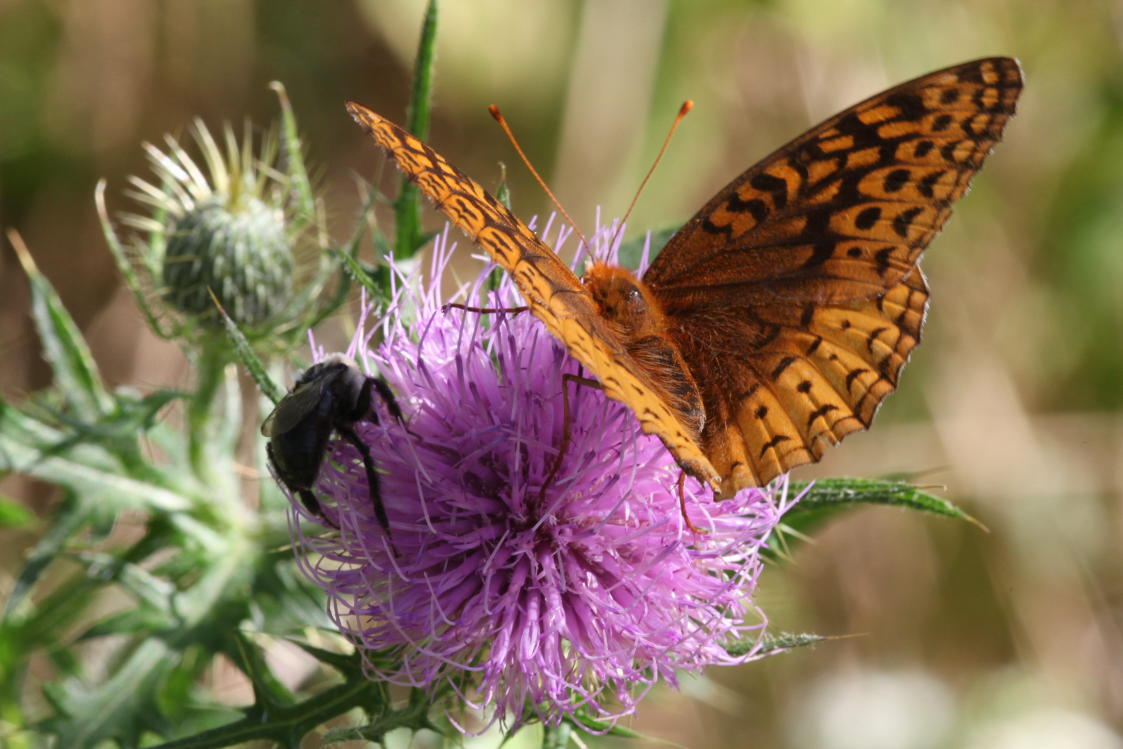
(617, 295)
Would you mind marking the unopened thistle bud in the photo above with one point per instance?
(240, 251)
(225, 225)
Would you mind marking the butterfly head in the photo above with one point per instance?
(620, 296)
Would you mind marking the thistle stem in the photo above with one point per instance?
(407, 208)
(200, 406)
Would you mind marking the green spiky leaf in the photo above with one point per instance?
(64, 348)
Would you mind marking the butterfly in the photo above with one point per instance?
(778, 318)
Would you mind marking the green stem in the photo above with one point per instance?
(556, 737)
(290, 722)
(419, 100)
(407, 208)
(201, 405)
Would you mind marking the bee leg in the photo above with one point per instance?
(391, 403)
(387, 396)
(373, 484)
(308, 499)
(363, 407)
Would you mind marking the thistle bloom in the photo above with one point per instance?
(528, 596)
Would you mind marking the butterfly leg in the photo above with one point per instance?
(682, 504)
(566, 379)
(484, 310)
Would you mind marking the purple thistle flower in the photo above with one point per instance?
(528, 600)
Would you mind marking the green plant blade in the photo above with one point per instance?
(64, 348)
(407, 208)
(302, 193)
(836, 493)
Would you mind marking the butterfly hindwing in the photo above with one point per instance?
(821, 374)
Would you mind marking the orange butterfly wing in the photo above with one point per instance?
(794, 296)
(553, 293)
(794, 293)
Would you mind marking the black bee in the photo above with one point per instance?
(331, 395)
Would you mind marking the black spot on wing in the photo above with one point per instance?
(896, 180)
(775, 186)
(820, 412)
(867, 218)
(882, 258)
(821, 252)
(770, 444)
(756, 207)
(873, 337)
(903, 221)
(710, 227)
(772, 334)
(911, 105)
(853, 375)
(784, 364)
(927, 184)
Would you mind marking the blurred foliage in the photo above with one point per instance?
(1013, 398)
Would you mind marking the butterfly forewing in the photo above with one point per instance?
(843, 211)
(483, 218)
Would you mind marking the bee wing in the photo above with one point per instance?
(292, 409)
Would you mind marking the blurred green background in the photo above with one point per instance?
(963, 638)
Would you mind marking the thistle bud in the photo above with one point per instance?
(241, 253)
(226, 224)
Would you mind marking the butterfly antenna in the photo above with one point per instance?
(494, 110)
(682, 112)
